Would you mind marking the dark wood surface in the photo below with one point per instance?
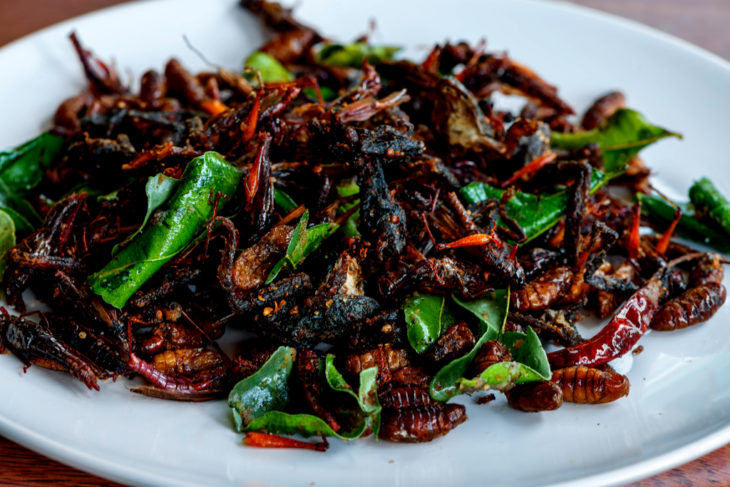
(703, 22)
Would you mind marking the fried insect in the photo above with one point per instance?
(534, 397)
(543, 291)
(405, 397)
(412, 181)
(453, 343)
(186, 361)
(697, 304)
(386, 357)
(490, 353)
(602, 109)
(586, 385)
(307, 367)
(35, 343)
(419, 424)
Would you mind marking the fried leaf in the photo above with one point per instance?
(530, 364)
(350, 228)
(158, 189)
(281, 423)
(527, 350)
(265, 390)
(7, 240)
(21, 168)
(272, 71)
(20, 210)
(349, 189)
(352, 55)
(661, 213)
(284, 201)
(184, 216)
(427, 317)
(533, 213)
(484, 309)
(258, 400)
(367, 395)
(444, 384)
(620, 140)
(304, 241)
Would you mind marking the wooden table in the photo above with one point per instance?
(703, 22)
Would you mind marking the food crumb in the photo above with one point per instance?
(391, 461)
(485, 399)
(638, 350)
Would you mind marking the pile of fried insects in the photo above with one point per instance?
(381, 236)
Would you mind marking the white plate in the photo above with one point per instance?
(679, 406)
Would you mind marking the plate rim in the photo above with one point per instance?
(120, 472)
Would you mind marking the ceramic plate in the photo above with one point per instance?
(679, 406)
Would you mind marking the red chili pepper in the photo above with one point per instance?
(661, 246)
(254, 174)
(530, 168)
(475, 240)
(214, 107)
(619, 335)
(252, 120)
(266, 440)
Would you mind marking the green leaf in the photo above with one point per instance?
(661, 213)
(529, 364)
(533, 213)
(272, 71)
(7, 240)
(314, 237)
(281, 423)
(265, 390)
(352, 55)
(284, 201)
(184, 216)
(21, 168)
(484, 309)
(21, 211)
(159, 188)
(328, 94)
(444, 384)
(304, 241)
(346, 190)
(527, 349)
(257, 401)
(427, 317)
(350, 227)
(349, 189)
(367, 395)
(705, 197)
(625, 134)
